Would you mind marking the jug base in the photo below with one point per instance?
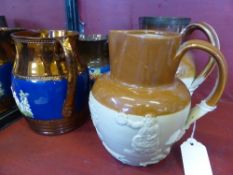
(55, 127)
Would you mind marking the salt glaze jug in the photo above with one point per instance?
(187, 69)
(49, 85)
(7, 56)
(141, 109)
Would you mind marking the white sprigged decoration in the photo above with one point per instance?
(23, 104)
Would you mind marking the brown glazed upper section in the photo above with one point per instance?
(143, 57)
(143, 66)
(154, 101)
(142, 79)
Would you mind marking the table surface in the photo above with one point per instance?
(80, 152)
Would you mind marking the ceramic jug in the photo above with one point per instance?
(93, 51)
(49, 85)
(140, 109)
(7, 55)
(186, 70)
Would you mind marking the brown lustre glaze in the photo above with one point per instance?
(47, 67)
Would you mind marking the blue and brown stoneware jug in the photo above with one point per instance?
(49, 84)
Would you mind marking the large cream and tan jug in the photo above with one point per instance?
(140, 109)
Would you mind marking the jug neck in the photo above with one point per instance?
(40, 54)
(143, 58)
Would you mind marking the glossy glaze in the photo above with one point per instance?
(186, 71)
(49, 84)
(48, 95)
(142, 78)
(129, 99)
(145, 57)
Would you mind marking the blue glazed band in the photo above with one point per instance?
(44, 99)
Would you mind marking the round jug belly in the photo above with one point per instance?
(137, 140)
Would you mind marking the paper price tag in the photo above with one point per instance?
(195, 158)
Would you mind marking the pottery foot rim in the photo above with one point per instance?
(55, 127)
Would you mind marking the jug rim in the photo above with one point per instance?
(43, 35)
(141, 32)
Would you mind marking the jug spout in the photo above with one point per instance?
(144, 57)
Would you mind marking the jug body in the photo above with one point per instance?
(138, 101)
(40, 83)
(7, 55)
(141, 109)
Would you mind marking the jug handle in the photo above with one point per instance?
(210, 102)
(212, 37)
(71, 77)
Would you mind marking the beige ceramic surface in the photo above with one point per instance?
(137, 140)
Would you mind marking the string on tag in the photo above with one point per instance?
(193, 130)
